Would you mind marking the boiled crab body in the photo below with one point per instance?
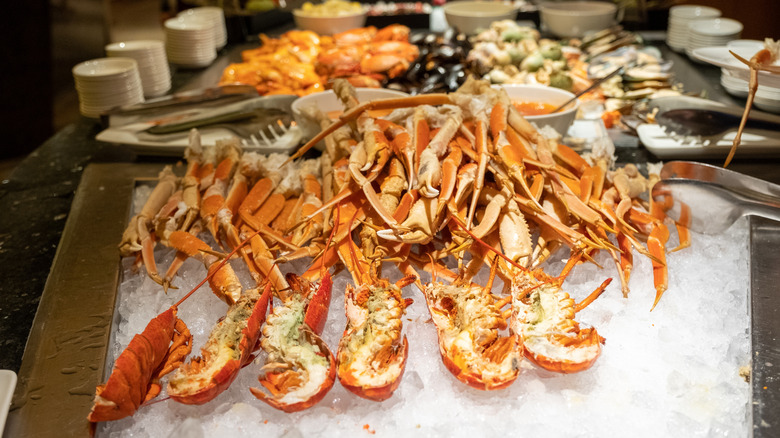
(544, 319)
(468, 325)
(372, 352)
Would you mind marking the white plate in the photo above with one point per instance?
(721, 57)
(755, 142)
(7, 386)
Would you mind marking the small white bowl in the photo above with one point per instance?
(561, 120)
(715, 27)
(470, 17)
(327, 102)
(570, 19)
(689, 12)
(326, 25)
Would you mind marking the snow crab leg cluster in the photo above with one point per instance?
(458, 179)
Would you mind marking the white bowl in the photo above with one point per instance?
(327, 102)
(470, 17)
(715, 27)
(561, 120)
(687, 12)
(324, 25)
(569, 19)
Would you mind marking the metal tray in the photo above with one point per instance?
(65, 356)
(66, 352)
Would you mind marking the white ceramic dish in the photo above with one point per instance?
(7, 386)
(329, 25)
(721, 57)
(715, 27)
(327, 102)
(568, 19)
(561, 120)
(104, 69)
(688, 12)
(470, 17)
(755, 142)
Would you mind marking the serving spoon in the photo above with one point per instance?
(716, 197)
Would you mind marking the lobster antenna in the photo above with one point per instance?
(219, 266)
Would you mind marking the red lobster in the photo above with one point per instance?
(157, 351)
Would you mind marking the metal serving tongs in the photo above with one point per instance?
(710, 198)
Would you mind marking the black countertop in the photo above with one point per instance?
(36, 200)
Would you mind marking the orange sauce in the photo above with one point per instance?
(333, 115)
(533, 108)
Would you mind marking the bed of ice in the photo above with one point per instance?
(670, 372)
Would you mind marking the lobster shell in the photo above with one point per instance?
(131, 380)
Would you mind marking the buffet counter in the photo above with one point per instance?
(37, 203)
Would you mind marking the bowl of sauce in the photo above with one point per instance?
(536, 103)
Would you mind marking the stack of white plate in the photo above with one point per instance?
(214, 14)
(732, 83)
(152, 63)
(711, 32)
(680, 17)
(190, 41)
(767, 98)
(106, 83)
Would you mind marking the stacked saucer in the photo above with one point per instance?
(190, 41)
(152, 63)
(214, 14)
(106, 83)
(680, 17)
(732, 82)
(711, 32)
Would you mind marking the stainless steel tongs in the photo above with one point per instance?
(716, 197)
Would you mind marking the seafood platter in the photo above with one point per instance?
(441, 267)
(303, 62)
(474, 287)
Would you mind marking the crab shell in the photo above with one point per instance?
(228, 349)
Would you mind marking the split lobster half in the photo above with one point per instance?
(300, 369)
(543, 317)
(228, 349)
(372, 352)
(468, 321)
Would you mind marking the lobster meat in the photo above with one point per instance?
(543, 317)
(300, 369)
(228, 349)
(372, 353)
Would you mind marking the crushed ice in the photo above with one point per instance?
(670, 372)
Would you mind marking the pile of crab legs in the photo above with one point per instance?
(458, 176)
